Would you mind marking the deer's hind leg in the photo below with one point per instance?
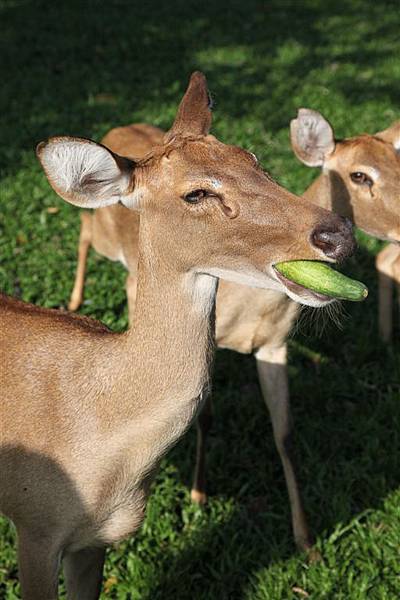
(131, 289)
(85, 240)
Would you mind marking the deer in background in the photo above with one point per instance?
(359, 179)
(90, 413)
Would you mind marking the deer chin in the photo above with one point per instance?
(301, 294)
(272, 280)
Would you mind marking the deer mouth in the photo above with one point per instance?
(301, 294)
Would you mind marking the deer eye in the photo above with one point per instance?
(195, 196)
(361, 178)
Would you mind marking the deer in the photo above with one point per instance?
(87, 413)
(359, 180)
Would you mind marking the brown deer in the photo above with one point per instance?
(359, 179)
(86, 413)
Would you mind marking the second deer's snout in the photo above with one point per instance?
(335, 238)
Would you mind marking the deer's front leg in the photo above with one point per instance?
(396, 274)
(272, 373)
(39, 565)
(83, 572)
(204, 422)
(385, 264)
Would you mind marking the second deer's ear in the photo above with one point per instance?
(312, 137)
(84, 173)
(194, 112)
(391, 135)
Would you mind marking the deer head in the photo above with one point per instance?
(205, 207)
(364, 171)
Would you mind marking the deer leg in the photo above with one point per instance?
(385, 307)
(39, 567)
(204, 422)
(83, 572)
(131, 288)
(85, 240)
(383, 264)
(273, 378)
(396, 275)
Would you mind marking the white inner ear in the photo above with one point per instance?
(313, 136)
(86, 172)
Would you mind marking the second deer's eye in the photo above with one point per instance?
(195, 196)
(361, 178)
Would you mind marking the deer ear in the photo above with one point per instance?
(85, 173)
(391, 135)
(312, 137)
(194, 112)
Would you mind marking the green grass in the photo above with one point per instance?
(81, 68)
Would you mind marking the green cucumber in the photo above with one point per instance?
(320, 277)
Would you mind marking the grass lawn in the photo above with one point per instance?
(82, 68)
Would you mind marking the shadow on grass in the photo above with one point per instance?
(81, 69)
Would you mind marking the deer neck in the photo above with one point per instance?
(329, 191)
(164, 374)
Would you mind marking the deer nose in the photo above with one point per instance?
(335, 238)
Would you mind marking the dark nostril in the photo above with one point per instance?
(335, 239)
(324, 240)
